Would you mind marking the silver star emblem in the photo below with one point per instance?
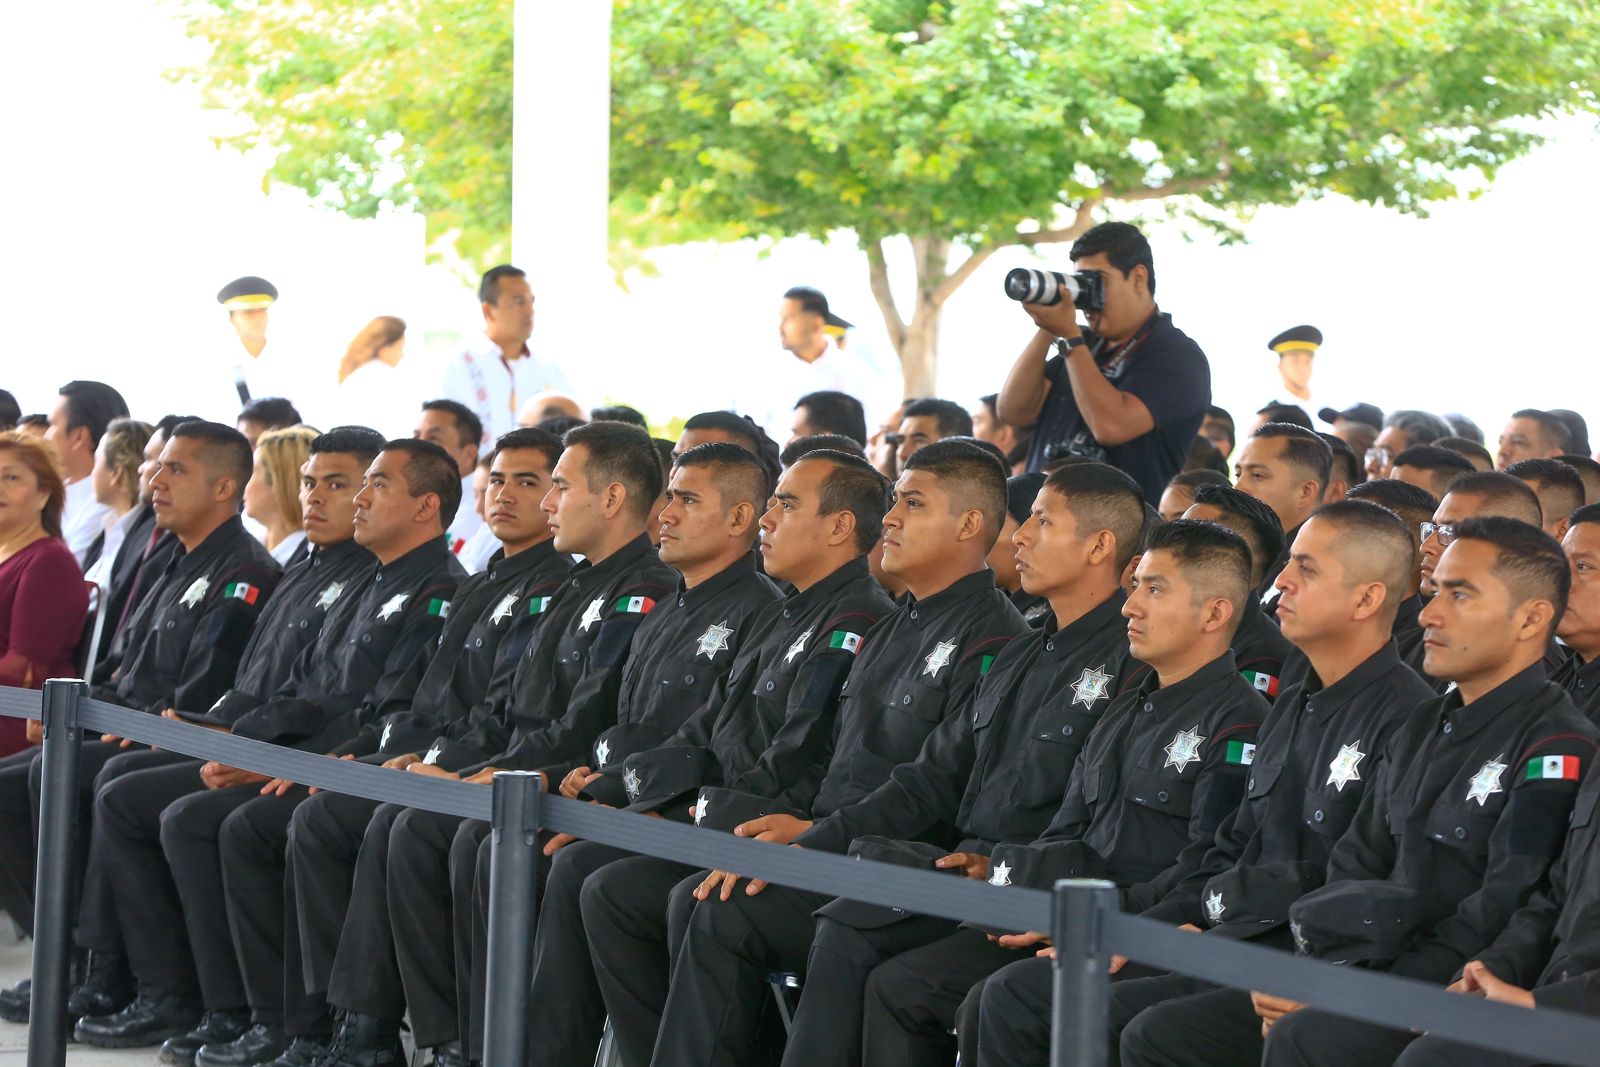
(939, 658)
(1215, 907)
(1487, 781)
(602, 753)
(630, 782)
(591, 614)
(393, 605)
(502, 610)
(1346, 766)
(1091, 686)
(701, 807)
(714, 640)
(1001, 875)
(330, 595)
(433, 754)
(1300, 941)
(388, 730)
(795, 649)
(1184, 749)
(196, 592)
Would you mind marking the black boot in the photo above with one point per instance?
(216, 1028)
(302, 1052)
(450, 1055)
(106, 988)
(16, 1001)
(260, 1044)
(364, 1041)
(145, 1022)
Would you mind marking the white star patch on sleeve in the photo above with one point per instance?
(1486, 782)
(1091, 687)
(1346, 766)
(1184, 749)
(591, 614)
(196, 592)
(714, 640)
(939, 658)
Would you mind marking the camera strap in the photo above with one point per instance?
(1114, 366)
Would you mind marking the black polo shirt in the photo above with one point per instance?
(1167, 371)
(1582, 682)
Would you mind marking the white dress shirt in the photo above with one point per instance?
(777, 383)
(83, 519)
(480, 377)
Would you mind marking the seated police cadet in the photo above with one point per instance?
(1317, 755)
(1021, 491)
(1467, 812)
(1287, 468)
(1558, 487)
(1415, 507)
(764, 742)
(1259, 648)
(488, 626)
(993, 775)
(914, 669)
(273, 661)
(391, 943)
(248, 912)
(405, 501)
(1132, 392)
(1579, 629)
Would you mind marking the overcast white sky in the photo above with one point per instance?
(122, 221)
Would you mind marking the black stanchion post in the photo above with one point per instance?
(1080, 1001)
(53, 906)
(513, 866)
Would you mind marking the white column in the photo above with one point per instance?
(561, 135)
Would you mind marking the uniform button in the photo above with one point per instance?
(1162, 796)
(1251, 784)
(688, 679)
(914, 613)
(680, 602)
(302, 624)
(478, 643)
(1317, 815)
(1447, 727)
(771, 686)
(787, 613)
(1049, 646)
(366, 639)
(171, 624)
(904, 700)
(1149, 707)
(1461, 833)
(1066, 731)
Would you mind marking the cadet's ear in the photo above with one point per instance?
(613, 500)
(1219, 614)
(974, 524)
(428, 509)
(1373, 595)
(742, 519)
(842, 529)
(1102, 547)
(1534, 620)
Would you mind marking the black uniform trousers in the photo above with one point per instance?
(18, 841)
(1308, 1036)
(325, 835)
(469, 917)
(911, 1002)
(254, 841)
(1216, 1028)
(1430, 1051)
(366, 976)
(1012, 1024)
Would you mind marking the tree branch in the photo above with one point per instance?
(879, 271)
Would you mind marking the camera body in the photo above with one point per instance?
(1028, 286)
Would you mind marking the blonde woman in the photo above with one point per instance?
(272, 495)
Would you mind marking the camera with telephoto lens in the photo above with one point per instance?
(1086, 287)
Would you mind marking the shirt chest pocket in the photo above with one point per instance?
(1584, 808)
(569, 656)
(1329, 813)
(1055, 737)
(1159, 793)
(773, 684)
(692, 680)
(1461, 828)
(912, 711)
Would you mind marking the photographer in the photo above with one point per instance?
(1132, 390)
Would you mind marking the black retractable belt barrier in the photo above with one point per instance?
(1081, 917)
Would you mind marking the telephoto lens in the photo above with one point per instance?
(1029, 286)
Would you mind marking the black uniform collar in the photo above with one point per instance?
(1168, 697)
(503, 568)
(1320, 702)
(585, 574)
(735, 572)
(429, 555)
(977, 582)
(1471, 718)
(1406, 618)
(217, 543)
(1574, 673)
(323, 556)
(824, 590)
(1064, 643)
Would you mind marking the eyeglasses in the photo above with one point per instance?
(1445, 531)
(1379, 455)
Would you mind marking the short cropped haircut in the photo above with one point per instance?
(1203, 455)
(1463, 427)
(1346, 466)
(740, 478)
(1551, 428)
(272, 412)
(970, 476)
(952, 418)
(1307, 453)
(1374, 545)
(1199, 476)
(830, 411)
(988, 446)
(1420, 427)
(1502, 495)
(429, 469)
(1021, 491)
(1589, 471)
(1577, 430)
(558, 424)
(1558, 486)
(796, 449)
(489, 284)
(94, 404)
(854, 485)
(1529, 561)
(1101, 497)
(619, 413)
(469, 428)
(165, 423)
(1122, 243)
(1288, 414)
(1214, 412)
(1152, 522)
(618, 452)
(1214, 560)
(359, 442)
(1586, 514)
(1256, 523)
(1465, 446)
(224, 450)
(1442, 464)
(534, 440)
(1414, 505)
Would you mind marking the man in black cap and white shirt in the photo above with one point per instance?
(815, 358)
(254, 369)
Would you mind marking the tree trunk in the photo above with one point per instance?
(917, 341)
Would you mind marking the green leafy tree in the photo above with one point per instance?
(967, 126)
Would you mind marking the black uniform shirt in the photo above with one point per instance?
(1582, 683)
(1316, 757)
(1260, 652)
(188, 634)
(292, 623)
(998, 773)
(1296, 667)
(915, 668)
(441, 687)
(1465, 812)
(364, 651)
(1035, 610)
(1161, 771)
(680, 652)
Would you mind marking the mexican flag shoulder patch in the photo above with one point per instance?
(537, 604)
(1262, 682)
(242, 591)
(1241, 753)
(846, 640)
(634, 605)
(439, 607)
(1559, 768)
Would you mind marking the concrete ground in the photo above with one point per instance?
(16, 959)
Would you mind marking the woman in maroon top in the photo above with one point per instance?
(43, 600)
